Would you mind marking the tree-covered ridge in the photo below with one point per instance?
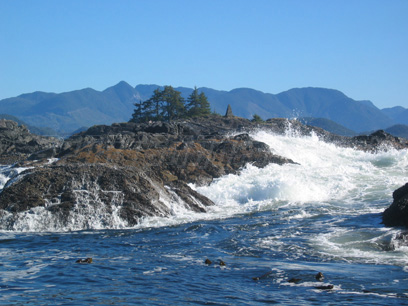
(168, 105)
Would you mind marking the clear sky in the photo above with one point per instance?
(359, 47)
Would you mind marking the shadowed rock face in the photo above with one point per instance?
(17, 143)
(131, 171)
(62, 188)
(397, 213)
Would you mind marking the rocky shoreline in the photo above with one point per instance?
(131, 171)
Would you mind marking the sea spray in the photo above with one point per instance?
(324, 173)
(326, 179)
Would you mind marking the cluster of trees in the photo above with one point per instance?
(168, 105)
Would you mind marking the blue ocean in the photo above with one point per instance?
(270, 233)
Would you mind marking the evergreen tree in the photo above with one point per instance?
(173, 104)
(138, 115)
(168, 104)
(151, 107)
(197, 104)
(205, 108)
(256, 118)
(193, 104)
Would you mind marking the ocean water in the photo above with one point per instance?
(268, 226)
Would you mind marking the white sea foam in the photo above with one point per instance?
(9, 174)
(325, 173)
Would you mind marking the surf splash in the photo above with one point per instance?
(325, 173)
(328, 178)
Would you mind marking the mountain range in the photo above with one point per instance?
(69, 111)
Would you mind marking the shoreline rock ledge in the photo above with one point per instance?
(397, 214)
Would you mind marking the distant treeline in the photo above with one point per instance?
(168, 105)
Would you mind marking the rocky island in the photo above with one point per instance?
(128, 171)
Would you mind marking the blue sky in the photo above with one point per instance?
(359, 47)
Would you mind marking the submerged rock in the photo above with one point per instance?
(397, 213)
(266, 275)
(397, 241)
(326, 287)
(294, 280)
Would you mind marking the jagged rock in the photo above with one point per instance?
(17, 143)
(378, 140)
(64, 189)
(228, 113)
(397, 213)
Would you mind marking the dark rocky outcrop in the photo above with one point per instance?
(17, 143)
(397, 213)
(379, 140)
(66, 188)
(131, 171)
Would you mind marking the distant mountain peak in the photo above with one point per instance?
(122, 85)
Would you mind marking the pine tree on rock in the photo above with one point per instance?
(173, 104)
(193, 103)
(138, 115)
(256, 118)
(153, 106)
(205, 108)
(197, 104)
(168, 104)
